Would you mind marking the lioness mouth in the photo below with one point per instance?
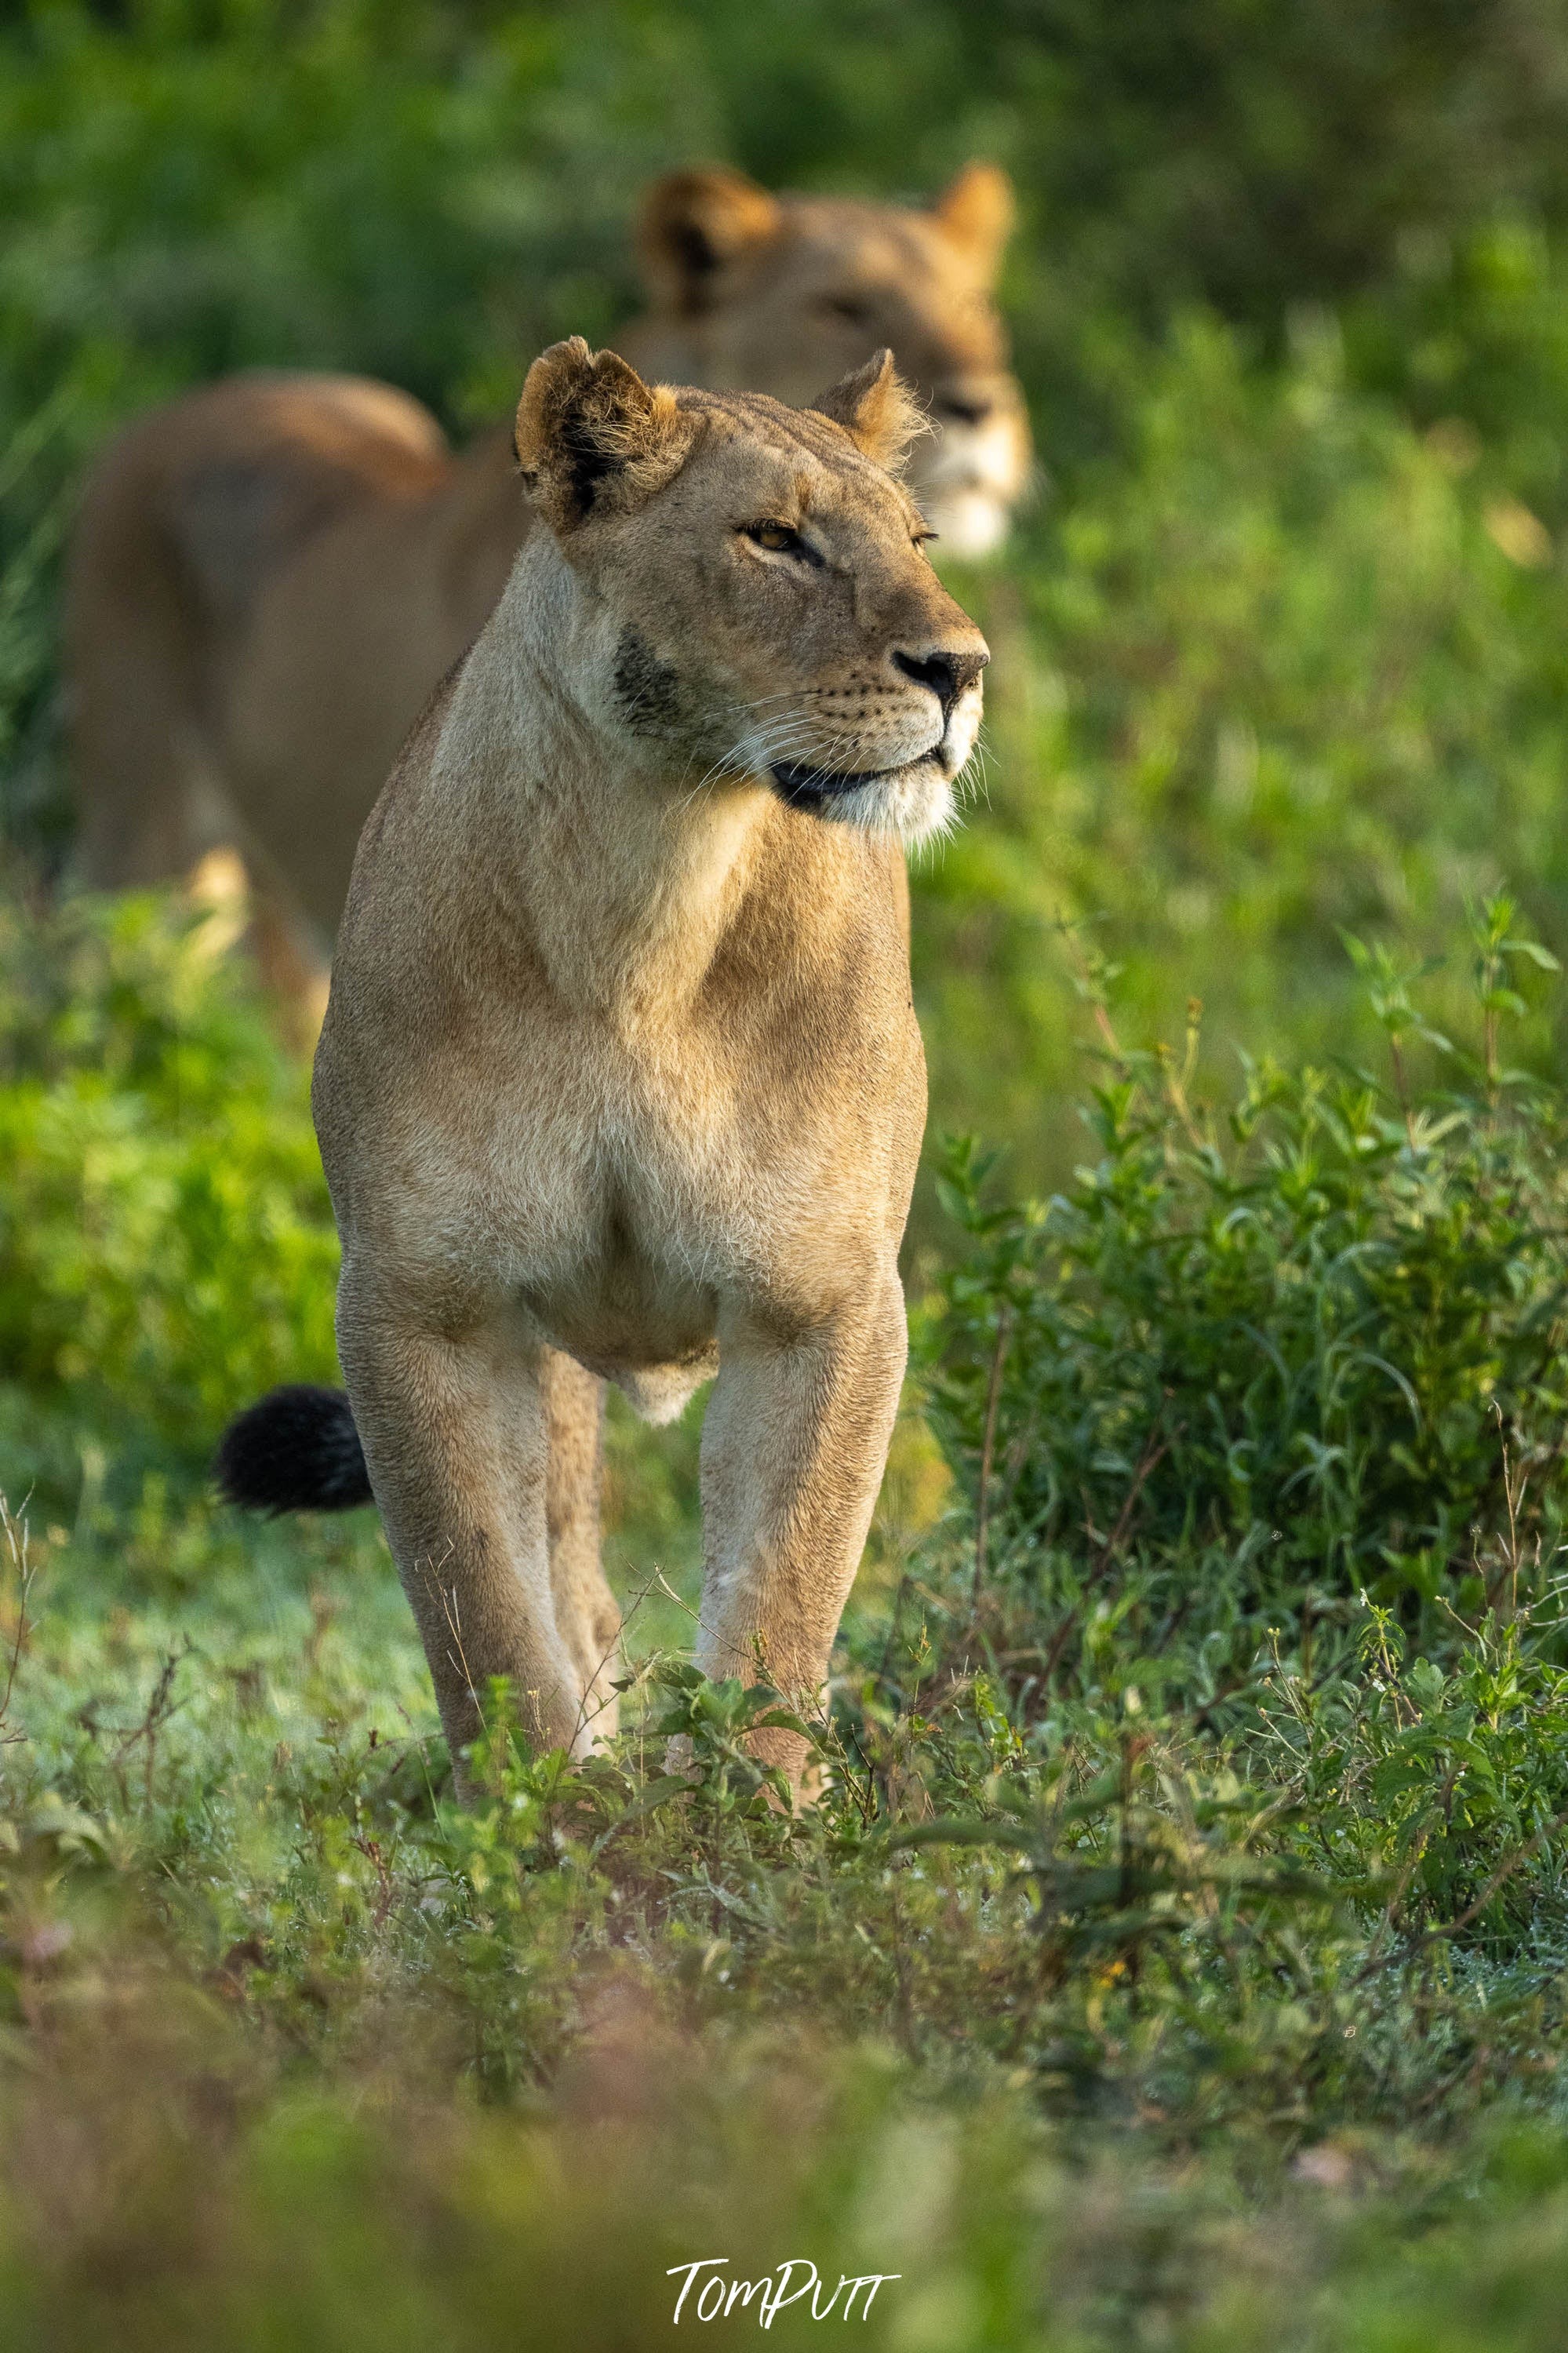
(808, 787)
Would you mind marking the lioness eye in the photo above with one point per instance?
(777, 537)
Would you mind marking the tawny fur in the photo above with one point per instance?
(269, 577)
(620, 1078)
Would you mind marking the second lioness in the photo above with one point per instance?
(270, 574)
(620, 1078)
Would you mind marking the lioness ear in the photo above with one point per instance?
(977, 210)
(692, 224)
(876, 408)
(590, 435)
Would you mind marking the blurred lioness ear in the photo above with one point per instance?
(876, 408)
(693, 224)
(590, 435)
(978, 211)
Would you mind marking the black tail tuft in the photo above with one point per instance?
(296, 1451)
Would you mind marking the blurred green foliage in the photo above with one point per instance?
(165, 1237)
(1266, 675)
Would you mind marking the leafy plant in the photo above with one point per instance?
(1313, 1336)
(166, 1244)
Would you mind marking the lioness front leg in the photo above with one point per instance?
(586, 1613)
(793, 1449)
(455, 1436)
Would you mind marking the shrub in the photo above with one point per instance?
(166, 1244)
(1320, 1335)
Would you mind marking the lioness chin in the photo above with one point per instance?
(620, 1078)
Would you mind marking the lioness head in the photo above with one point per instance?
(758, 600)
(785, 293)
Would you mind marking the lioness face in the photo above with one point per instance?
(761, 601)
(787, 293)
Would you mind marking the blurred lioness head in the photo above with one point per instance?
(750, 290)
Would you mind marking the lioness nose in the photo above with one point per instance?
(947, 674)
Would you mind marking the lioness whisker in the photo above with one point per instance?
(786, 695)
(740, 761)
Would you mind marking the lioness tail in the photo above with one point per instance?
(295, 1450)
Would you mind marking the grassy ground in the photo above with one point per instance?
(301, 2056)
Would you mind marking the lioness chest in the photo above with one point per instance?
(623, 1182)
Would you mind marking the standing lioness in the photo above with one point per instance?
(620, 1078)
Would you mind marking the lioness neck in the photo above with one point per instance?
(624, 870)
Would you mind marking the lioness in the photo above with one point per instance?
(620, 1078)
(268, 576)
